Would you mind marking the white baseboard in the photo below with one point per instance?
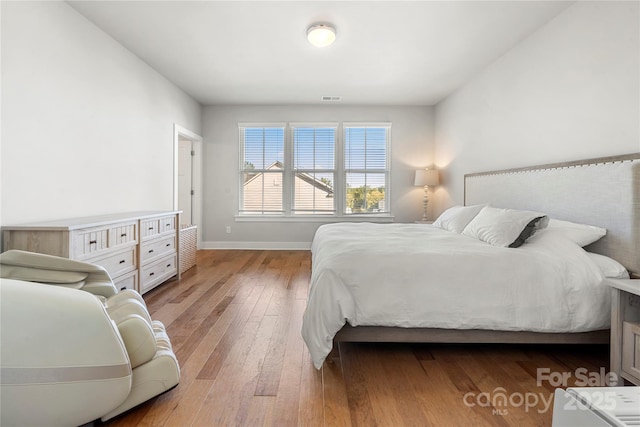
(287, 246)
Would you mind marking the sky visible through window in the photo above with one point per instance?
(314, 149)
(263, 147)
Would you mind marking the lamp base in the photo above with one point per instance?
(425, 203)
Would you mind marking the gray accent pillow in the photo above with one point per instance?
(526, 232)
(503, 227)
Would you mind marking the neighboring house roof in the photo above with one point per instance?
(310, 179)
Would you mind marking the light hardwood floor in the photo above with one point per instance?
(235, 320)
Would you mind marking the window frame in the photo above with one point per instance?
(293, 171)
(386, 171)
(242, 170)
(339, 173)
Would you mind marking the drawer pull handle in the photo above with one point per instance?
(123, 288)
(150, 250)
(122, 261)
(93, 242)
(168, 265)
(150, 228)
(151, 274)
(123, 235)
(168, 244)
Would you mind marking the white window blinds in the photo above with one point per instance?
(261, 170)
(313, 170)
(366, 169)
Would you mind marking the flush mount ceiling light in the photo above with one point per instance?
(321, 35)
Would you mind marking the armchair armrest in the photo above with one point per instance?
(59, 271)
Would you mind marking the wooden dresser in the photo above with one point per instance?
(138, 249)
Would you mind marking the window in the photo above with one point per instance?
(366, 169)
(314, 151)
(314, 169)
(261, 170)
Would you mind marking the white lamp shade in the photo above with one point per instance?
(426, 177)
(321, 35)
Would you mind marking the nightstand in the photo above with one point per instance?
(625, 329)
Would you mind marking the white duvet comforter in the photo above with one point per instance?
(414, 275)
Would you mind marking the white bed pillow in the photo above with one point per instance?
(505, 227)
(457, 217)
(581, 234)
(610, 267)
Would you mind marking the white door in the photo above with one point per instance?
(185, 180)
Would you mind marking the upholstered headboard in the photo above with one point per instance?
(604, 192)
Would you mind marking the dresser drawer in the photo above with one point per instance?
(631, 349)
(121, 234)
(167, 224)
(128, 281)
(89, 242)
(157, 248)
(118, 263)
(157, 272)
(149, 228)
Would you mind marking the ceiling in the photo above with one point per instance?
(256, 52)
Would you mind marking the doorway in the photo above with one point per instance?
(188, 178)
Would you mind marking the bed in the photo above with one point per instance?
(422, 283)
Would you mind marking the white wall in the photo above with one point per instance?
(570, 91)
(411, 147)
(87, 127)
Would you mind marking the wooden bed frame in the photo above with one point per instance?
(569, 191)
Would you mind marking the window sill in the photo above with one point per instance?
(315, 218)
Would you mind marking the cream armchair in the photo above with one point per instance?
(67, 356)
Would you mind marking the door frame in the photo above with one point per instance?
(196, 174)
